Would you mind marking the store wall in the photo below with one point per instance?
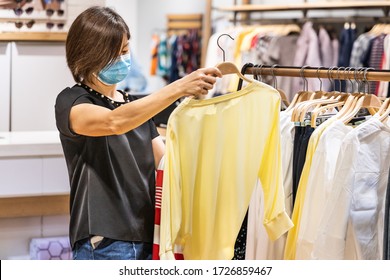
(5, 66)
(32, 74)
(128, 9)
(38, 73)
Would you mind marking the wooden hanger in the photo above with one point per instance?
(385, 114)
(377, 29)
(300, 96)
(313, 103)
(384, 106)
(316, 99)
(318, 93)
(346, 107)
(282, 94)
(228, 67)
(366, 101)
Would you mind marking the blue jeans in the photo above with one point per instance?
(110, 249)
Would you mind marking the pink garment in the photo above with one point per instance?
(335, 47)
(384, 86)
(326, 47)
(307, 53)
(326, 50)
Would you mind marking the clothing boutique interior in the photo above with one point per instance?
(286, 158)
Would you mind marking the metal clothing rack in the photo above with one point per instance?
(335, 73)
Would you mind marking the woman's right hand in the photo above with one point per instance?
(197, 83)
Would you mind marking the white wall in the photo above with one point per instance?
(75, 7)
(128, 9)
(5, 66)
(39, 72)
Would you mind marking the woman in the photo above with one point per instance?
(110, 144)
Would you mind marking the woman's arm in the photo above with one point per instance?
(92, 120)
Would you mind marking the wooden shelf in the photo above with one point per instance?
(308, 6)
(33, 36)
(184, 25)
(185, 17)
(184, 21)
(32, 206)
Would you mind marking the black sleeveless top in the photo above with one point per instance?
(112, 178)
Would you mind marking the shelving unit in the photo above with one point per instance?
(246, 9)
(184, 22)
(305, 7)
(33, 36)
(30, 206)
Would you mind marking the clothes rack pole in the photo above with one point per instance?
(336, 73)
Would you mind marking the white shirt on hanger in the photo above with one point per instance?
(319, 186)
(360, 177)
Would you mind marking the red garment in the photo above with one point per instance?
(156, 240)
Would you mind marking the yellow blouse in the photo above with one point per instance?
(216, 150)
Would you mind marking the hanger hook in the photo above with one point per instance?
(275, 81)
(318, 75)
(365, 78)
(261, 76)
(223, 51)
(359, 81)
(305, 82)
(355, 78)
(346, 73)
(255, 76)
(332, 81)
(338, 76)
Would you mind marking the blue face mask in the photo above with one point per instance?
(117, 72)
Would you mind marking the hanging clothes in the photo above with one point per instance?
(347, 38)
(177, 251)
(319, 186)
(154, 54)
(292, 236)
(386, 229)
(329, 50)
(302, 136)
(282, 52)
(375, 61)
(259, 246)
(252, 43)
(357, 195)
(162, 57)
(204, 202)
(308, 54)
(383, 87)
(360, 47)
(176, 55)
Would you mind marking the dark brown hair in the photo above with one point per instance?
(94, 40)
